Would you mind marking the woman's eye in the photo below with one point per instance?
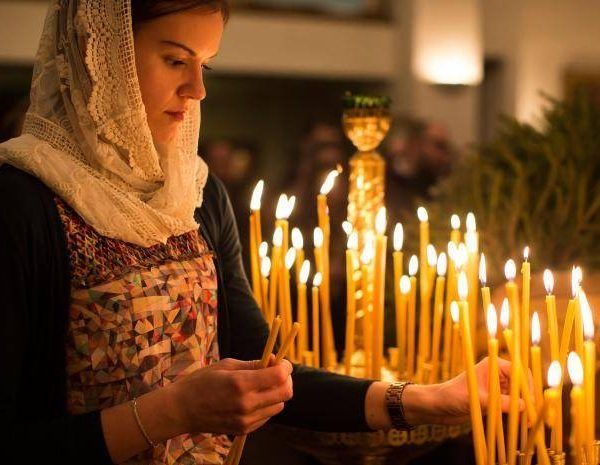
(175, 63)
(206, 67)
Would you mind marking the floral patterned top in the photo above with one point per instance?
(140, 318)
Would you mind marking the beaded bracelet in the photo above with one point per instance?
(139, 423)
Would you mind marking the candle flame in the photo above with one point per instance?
(575, 369)
(257, 195)
(381, 221)
(461, 256)
(318, 237)
(471, 241)
(535, 329)
(454, 312)
(482, 270)
(297, 239)
(291, 203)
(317, 279)
(505, 314)
(398, 237)
(510, 270)
(576, 277)
(353, 241)
(492, 320)
(471, 223)
(347, 227)
(405, 285)
(442, 264)
(263, 249)
(526, 253)
(413, 265)
(329, 181)
(431, 255)
(290, 258)
(586, 316)
(548, 281)
(265, 267)
(463, 286)
(422, 214)
(368, 253)
(281, 208)
(554, 374)
(278, 237)
(455, 221)
(452, 251)
(304, 272)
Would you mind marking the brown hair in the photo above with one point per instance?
(146, 10)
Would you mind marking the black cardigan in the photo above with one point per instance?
(34, 303)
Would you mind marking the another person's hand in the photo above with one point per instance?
(233, 396)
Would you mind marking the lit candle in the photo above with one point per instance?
(485, 290)
(525, 317)
(577, 405)
(366, 259)
(265, 270)
(455, 225)
(551, 314)
(398, 257)
(536, 361)
(455, 359)
(438, 311)
(469, 361)
(290, 259)
(578, 336)
(554, 397)
(255, 240)
(379, 289)
(302, 310)
(351, 266)
(589, 363)
(450, 296)
(424, 291)
(572, 308)
(298, 244)
(494, 384)
(413, 267)
(472, 246)
(316, 346)
(425, 317)
(401, 314)
(275, 275)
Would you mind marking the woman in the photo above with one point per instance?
(121, 259)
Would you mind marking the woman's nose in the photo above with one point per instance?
(194, 86)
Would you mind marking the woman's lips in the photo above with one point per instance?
(176, 115)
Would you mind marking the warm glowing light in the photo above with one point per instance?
(278, 237)
(455, 221)
(290, 258)
(317, 279)
(452, 251)
(463, 286)
(282, 205)
(297, 239)
(535, 329)
(318, 237)
(404, 284)
(442, 264)
(263, 249)
(352, 243)
(265, 267)
(510, 270)
(554, 374)
(381, 221)
(505, 314)
(257, 195)
(461, 256)
(471, 223)
(492, 320)
(586, 316)
(304, 272)
(454, 312)
(526, 253)
(413, 265)
(368, 253)
(347, 227)
(291, 203)
(329, 181)
(548, 281)
(398, 237)
(471, 242)
(431, 255)
(575, 369)
(576, 276)
(422, 214)
(482, 270)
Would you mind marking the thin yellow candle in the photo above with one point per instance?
(302, 310)
(398, 256)
(290, 259)
(537, 428)
(525, 317)
(469, 361)
(554, 397)
(536, 361)
(298, 244)
(551, 314)
(438, 311)
(494, 384)
(255, 240)
(485, 290)
(316, 346)
(275, 266)
(351, 265)
(450, 296)
(578, 336)
(265, 270)
(472, 246)
(589, 364)
(424, 317)
(366, 259)
(404, 288)
(413, 266)
(572, 308)
(379, 290)
(577, 405)
(455, 225)
(455, 352)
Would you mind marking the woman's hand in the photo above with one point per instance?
(232, 396)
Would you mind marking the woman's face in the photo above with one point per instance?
(171, 54)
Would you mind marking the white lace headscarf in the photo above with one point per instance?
(86, 134)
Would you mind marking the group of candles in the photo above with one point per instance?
(441, 343)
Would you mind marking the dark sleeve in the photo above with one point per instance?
(322, 401)
(33, 310)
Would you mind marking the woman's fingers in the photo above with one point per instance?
(505, 403)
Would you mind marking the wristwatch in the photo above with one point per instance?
(393, 401)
